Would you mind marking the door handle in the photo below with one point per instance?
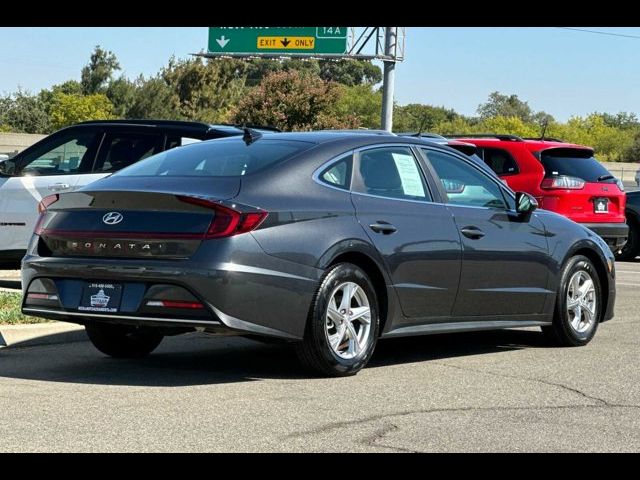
(472, 232)
(56, 187)
(383, 227)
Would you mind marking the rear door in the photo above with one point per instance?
(416, 236)
(51, 166)
(505, 261)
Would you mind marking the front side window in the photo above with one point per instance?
(391, 172)
(63, 156)
(464, 184)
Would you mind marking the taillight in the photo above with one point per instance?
(227, 221)
(175, 304)
(46, 202)
(620, 184)
(563, 182)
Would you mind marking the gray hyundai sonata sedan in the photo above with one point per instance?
(327, 240)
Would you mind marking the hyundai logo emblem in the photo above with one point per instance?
(112, 218)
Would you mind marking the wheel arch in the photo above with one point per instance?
(365, 259)
(600, 265)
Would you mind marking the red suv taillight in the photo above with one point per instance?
(562, 182)
(227, 221)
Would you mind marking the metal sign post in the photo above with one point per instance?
(388, 78)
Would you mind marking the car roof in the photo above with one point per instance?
(360, 131)
(533, 144)
(344, 136)
(200, 127)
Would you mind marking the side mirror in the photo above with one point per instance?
(7, 167)
(525, 203)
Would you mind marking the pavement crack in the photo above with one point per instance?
(374, 439)
(600, 401)
(373, 418)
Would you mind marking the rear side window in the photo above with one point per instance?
(174, 141)
(218, 158)
(572, 162)
(121, 150)
(391, 172)
(338, 174)
(500, 161)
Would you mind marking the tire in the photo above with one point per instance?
(122, 341)
(565, 331)
(329, 347)
(631, 249)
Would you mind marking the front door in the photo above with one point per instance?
(51, 166)
(505, 261)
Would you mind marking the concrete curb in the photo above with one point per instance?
(40, 334)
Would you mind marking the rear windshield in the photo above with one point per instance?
(573, 163)
(217, 158)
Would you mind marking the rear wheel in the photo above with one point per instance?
(631, 249)
(578, 304)
(343, 323)
(122, 341)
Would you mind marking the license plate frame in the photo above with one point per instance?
(600, 205)
(101, 297)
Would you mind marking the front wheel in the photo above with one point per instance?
(578, 304)
(342, 327)
(122, 341)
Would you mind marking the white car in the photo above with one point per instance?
(78, 155)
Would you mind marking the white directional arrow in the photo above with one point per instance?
(222, 41)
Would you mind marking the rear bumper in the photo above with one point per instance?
(243, 289)
(615, 234)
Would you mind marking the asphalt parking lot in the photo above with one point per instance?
(492, 391)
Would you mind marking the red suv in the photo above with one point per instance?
(563, 177)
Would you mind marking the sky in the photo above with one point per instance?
(563, 72)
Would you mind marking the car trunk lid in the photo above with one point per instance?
(154, 218)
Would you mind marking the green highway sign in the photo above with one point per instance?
(277, 40)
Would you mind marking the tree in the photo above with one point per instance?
(96, 75)
(506, 106)
(67, 109)
(350, 72)
(361, 102)
(292, 101)
(70, 87)
(346, 71)
(24, 112)
(415, 117)
(622, 120)
(632, 152)
(121, 92)
(204, 91)
(153, 99)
